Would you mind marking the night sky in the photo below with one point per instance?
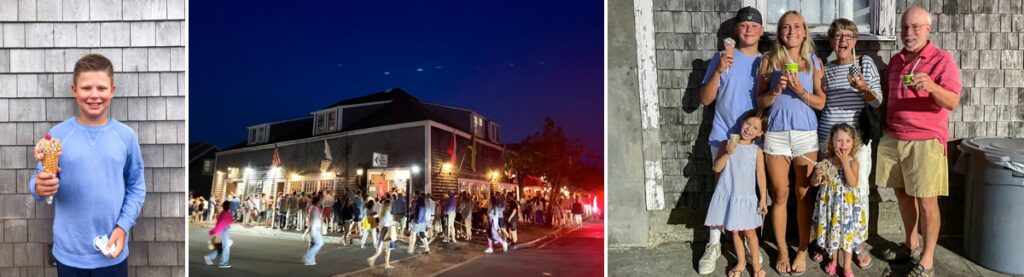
(511, 61)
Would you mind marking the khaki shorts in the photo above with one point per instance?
(919, 167)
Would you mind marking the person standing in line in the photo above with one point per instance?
(467, 207)
(450, 206)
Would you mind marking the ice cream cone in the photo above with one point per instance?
(48, 150)
(50, 162)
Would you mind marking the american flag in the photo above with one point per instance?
(276, 161)
(451, 149)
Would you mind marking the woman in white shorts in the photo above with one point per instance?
(790, 86)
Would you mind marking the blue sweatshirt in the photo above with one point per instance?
(451, 203)
(101, 186)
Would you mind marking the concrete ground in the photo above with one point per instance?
(681, 260)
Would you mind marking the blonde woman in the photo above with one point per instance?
(789, 84)
(387, 235)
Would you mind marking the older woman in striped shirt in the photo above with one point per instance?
(851, 82)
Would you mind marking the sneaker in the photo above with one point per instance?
(309, 263)
(489, 250)
(225, 266)
(208, 260)
(707, 262)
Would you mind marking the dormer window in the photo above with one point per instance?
(332, 121)
(326, 121)
(493, 132)
(478, 126)
(259, 134)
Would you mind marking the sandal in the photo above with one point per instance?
(902, 253)
(847, 273)
(794, 272)
(919, 271)
(784, 265)
(830, 269)
(735, 272)
(759, 272)
(863, 260)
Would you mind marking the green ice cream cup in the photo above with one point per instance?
(793, 67)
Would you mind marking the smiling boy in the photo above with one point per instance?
(99, 188)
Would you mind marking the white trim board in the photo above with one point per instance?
(421, 123)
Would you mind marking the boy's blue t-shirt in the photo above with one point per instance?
(101, 186)
(736, 93)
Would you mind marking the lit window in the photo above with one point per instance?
(207, 166)
(331, 120)
(478, 126)
(318, 121)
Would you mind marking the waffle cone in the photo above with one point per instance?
(50, 162)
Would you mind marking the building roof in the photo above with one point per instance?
(401, 107)
(399, 110)
(390, 94)
(197, 150)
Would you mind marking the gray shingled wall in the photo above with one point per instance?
(41, 40)
(986, 38)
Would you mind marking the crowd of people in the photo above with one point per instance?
(361, 219)
(767, 128)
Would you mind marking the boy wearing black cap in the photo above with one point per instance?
(729, 83)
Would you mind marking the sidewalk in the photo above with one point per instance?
(681, 260)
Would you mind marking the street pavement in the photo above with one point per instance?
(578, 253)
(680, 259)
(259, 251)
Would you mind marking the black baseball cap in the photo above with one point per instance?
(748, 14)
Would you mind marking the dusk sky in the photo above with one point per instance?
(511, 61)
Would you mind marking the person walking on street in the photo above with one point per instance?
(219, 237)
(493, 216)
(387, 234)
(577, 212)
(419, 226)
(400, 208)
(314, 221)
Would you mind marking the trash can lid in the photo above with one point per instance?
(1003, 149)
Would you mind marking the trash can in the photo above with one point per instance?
(994, 210)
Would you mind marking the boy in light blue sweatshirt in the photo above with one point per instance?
(99, 188)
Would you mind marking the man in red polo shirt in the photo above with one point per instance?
(924, 86)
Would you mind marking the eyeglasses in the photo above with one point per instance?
(915, 27)
(844, 37)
